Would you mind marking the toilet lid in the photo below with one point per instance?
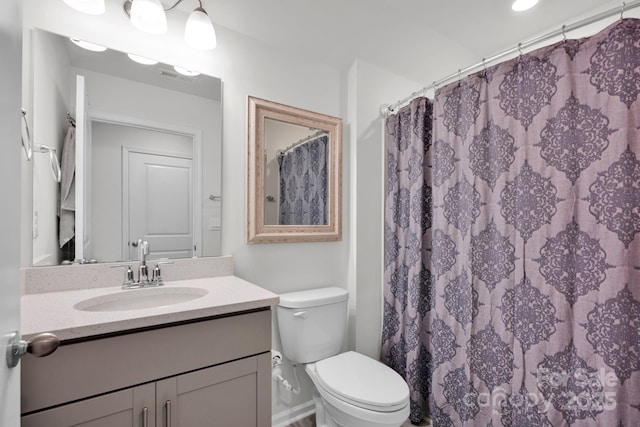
(363, 382)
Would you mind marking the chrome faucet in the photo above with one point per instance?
(143, 270)
(143, 280)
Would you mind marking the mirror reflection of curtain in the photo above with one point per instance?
(303, 183)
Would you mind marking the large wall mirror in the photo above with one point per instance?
(295, 179)
(147, 157)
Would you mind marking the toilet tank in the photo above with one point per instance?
(312, 323)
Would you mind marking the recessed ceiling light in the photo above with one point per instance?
(88, 45)
(522, 5)
(141, 59)
(185, 71)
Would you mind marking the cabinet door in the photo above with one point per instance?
(231, 394)
(133, 407)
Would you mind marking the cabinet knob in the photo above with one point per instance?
(40, 346)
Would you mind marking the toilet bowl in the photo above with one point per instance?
(350, 389)
(357, 391)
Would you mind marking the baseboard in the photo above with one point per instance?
(285, 418)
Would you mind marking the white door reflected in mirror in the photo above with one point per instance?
(158, 190)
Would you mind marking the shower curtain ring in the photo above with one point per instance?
(564, 33)
(622, 10)
(520, 48)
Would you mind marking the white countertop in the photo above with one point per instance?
(53, 311)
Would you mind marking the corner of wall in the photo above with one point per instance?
(370, 87)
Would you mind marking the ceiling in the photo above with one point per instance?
(417, 39)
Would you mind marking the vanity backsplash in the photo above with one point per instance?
(72, 277)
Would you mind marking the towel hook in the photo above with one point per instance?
(28, 149)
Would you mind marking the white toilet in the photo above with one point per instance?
(351, 390)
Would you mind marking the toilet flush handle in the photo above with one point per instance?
(300, 314)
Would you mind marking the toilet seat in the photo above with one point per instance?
(362, 381)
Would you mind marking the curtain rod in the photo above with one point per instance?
(302, 141)
(387, 109)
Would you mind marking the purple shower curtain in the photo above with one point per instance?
(407, 295)
(528, 307)
(303, 183)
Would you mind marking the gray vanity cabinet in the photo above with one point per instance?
(219, 396)
(123, 408)
(214, 372)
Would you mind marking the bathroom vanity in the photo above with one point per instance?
(203, 362)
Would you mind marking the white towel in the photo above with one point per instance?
(68, 188)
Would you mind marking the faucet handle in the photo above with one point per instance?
(156, 271)
(128, 275)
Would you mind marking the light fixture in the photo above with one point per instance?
(149, 16)
(141, 59)
(199, 32)
(522, 5)
(92, 7)
(185, 71)
(88, 45)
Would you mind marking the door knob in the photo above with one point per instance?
(40, 346)
(134, 244)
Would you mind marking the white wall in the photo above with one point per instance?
(251, 68)
(369, 88)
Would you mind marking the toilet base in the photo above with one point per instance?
(323, 419)
(331, 412)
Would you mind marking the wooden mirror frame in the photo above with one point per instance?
(257, 230)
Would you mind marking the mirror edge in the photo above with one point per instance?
(257, 232)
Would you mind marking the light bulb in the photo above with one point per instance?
(148, 16)
(199, 32)
(522, 5)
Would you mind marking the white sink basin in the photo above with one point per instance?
(136, 299)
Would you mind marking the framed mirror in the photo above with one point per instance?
(294, 174)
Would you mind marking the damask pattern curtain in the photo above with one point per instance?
(534, 315)
(303, 184)
(407, 234)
